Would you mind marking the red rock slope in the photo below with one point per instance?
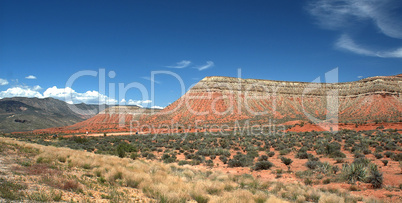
(224, 100)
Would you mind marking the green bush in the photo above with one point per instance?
(263, 165)
(378, 155)
(287, 161)
(385, 162)
(271, 154)
(337, 154)
(240, 160)
(375, 178)
(397, 157)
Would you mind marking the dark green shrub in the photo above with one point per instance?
(378, 155)
(388, 154)
(385, 162)
(302, 155)
(397, 157)
(312, 164)
(263, 158)
(335, 169)
(337, 154)
(263, 165)
(271, 154)
(224, 159)
(375, 177)
(240, 160)
(287, 162)
(326, 181)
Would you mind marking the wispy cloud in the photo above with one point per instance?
(148, 78)
(32, 77)
(347, 43)
(343, 15)
(181, 64)
(3, 82)
(206, 66)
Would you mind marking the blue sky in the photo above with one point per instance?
(44, 43)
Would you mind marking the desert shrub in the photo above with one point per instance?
(224, 159)
(363, 161)
(240, 160)
(337, 154)
(312, 164)
(385, 162)
(209, 163)
(182, 162)
(375, 178)
(326, 181)
(302, 155)
(284, 151)
(134, 156)
(271, 154)
(263, 158)
(167, 158)
(397, 157)
(263, 165)
(335, 169)
(366, 151)
(359, 155)
(378, 155)
(252, 153)
(339, 160)
(331, 147)
(287, 161)
(388, 154)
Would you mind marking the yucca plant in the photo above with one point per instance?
(354, 172)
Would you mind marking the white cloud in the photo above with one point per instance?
(181, 64)
(208, 65)
(157, 107)
(141, 103)
(347, 43)
(32, 77)
(3, 82)
(20, 92)
(71, 96)
(148, 78)
(360, 76)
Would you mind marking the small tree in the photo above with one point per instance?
(287, 162)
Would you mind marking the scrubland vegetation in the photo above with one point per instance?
(161, 168)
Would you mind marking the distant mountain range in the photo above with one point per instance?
(26, 114)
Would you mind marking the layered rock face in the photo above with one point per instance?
(227, 101)
(223, 100)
